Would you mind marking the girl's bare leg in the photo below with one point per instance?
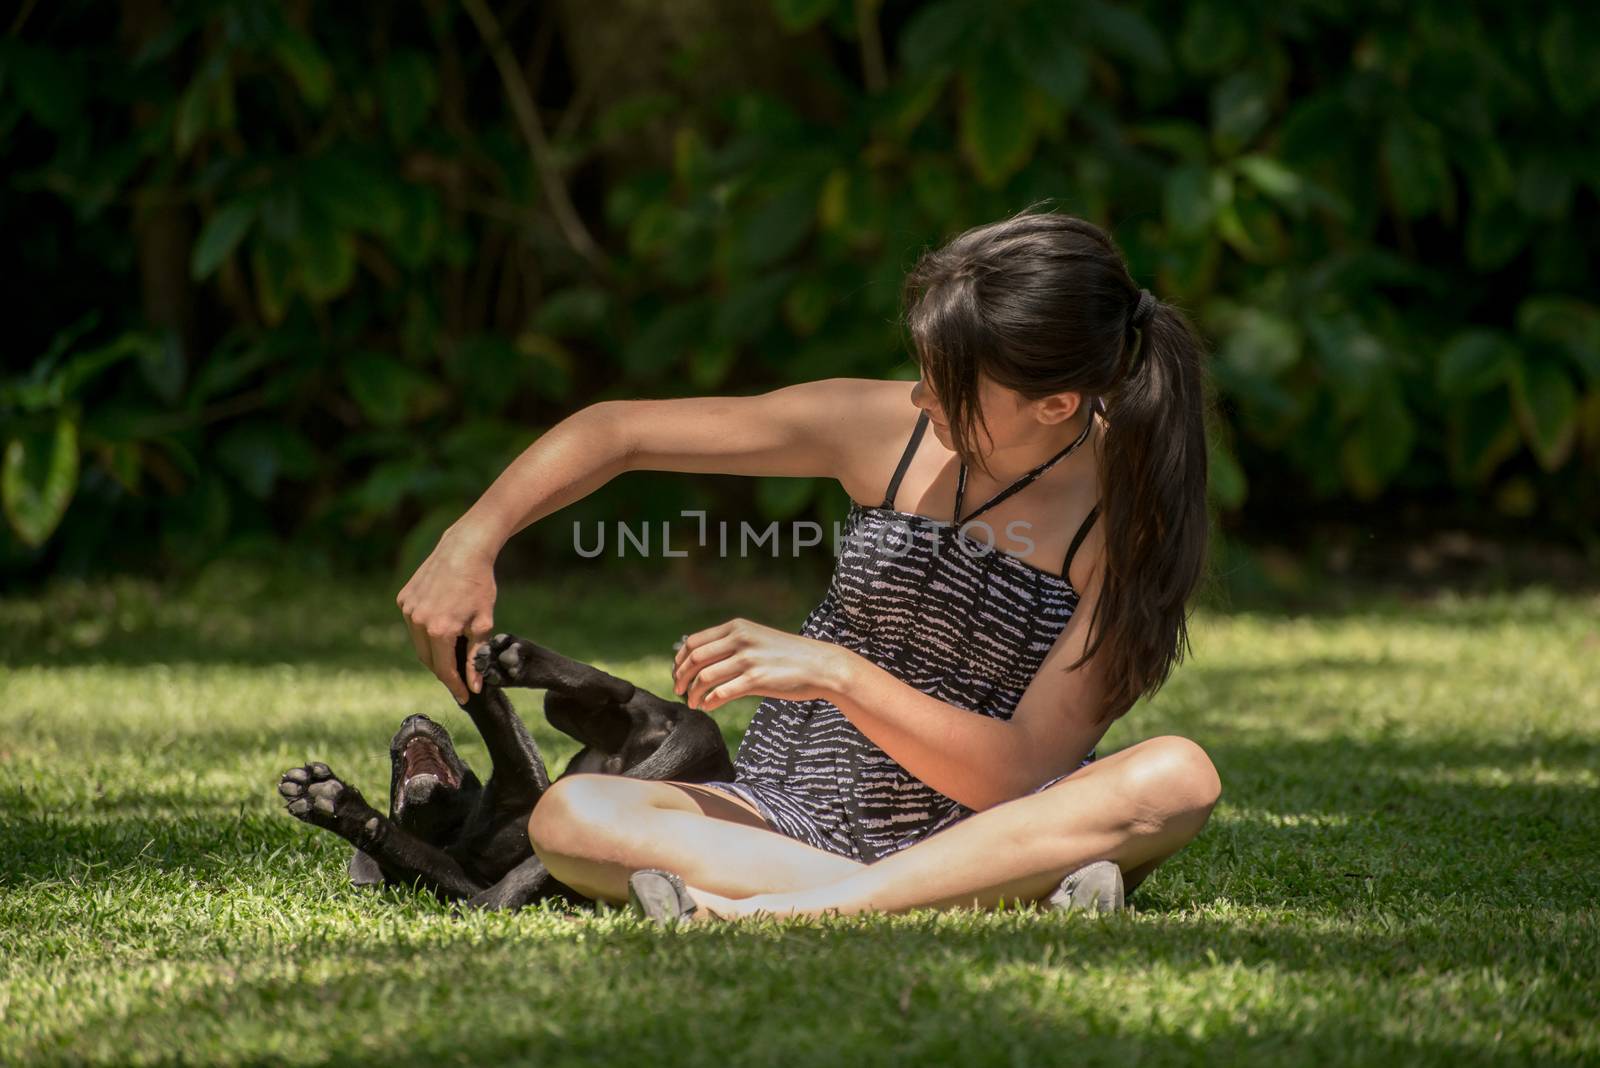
(1136, 807)
(593, 831)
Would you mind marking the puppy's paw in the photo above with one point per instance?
(502, 661)
(316, 796)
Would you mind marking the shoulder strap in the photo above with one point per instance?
(905, 461)
(1077, 539)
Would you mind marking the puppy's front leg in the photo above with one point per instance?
(316, 796)
(519, 777)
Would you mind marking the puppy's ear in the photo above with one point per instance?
(364, 871)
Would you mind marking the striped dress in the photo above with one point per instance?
(945, 611)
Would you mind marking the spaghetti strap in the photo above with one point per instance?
(1077, 539)
(961, 478)
(905, 461)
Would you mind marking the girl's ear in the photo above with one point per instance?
(1059, 407)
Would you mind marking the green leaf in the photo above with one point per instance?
(939, 34)
(387, 391)
(1567, 323)
(796, 15)
(808, 303)
(1352, 357)
(1260, 344)
(1475, 361)
(1495, 234)
(312, 74)
(258, 452)
(749, 308)
(409, 87)
(1483, 435)
(37, 480)
(936, 187)
(1272, 178)
(784, 498)
(327, 262)
(997, 135)
(1252, 228)
(1125, 32)
(420, 541)
(1419, 177)
(577, 311)
(1545, 187)
(163, 366)
(1568, 46)
(1240, 107)
(776, 228)
(1042, 46)
(664, 343)
(46, 84)
(220, 236)
(548, 364)
(1546, 405)
(710, 362)
(1226, 483)
(1188, 205)
(1380, 444)
(1214, 36)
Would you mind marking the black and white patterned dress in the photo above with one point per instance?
(945, 611)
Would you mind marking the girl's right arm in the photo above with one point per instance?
(803, 430)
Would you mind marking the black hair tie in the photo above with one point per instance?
(1142, 312)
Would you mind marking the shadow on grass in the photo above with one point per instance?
(1300, 822)
(358, 626)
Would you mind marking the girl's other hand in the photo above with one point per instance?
(740, 658)
(451, 595)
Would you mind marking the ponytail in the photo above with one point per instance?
(1153, 479)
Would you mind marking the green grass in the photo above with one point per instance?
(1402, 869)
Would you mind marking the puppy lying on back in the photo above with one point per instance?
(467, 840)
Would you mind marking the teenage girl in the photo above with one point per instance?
(928, 738)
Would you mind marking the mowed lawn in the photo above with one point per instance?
(1404, 867)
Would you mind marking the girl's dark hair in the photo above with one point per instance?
(1043, 303)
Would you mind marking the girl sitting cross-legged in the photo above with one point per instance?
(1006, 587)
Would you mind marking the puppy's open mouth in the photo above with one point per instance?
(422, 756)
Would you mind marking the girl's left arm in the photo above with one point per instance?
(975, 759)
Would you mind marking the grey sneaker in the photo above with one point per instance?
(1096, 887)
(660, 896)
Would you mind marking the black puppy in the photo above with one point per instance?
(467, 840)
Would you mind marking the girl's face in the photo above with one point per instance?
(1010, 418)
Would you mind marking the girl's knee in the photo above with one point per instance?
(570, 811)
(1173, 779)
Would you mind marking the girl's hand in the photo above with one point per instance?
(740, 659)
(450, 596)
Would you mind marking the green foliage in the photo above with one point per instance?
(1384, 223)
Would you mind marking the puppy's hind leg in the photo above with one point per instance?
(523, 885)
(511, 661)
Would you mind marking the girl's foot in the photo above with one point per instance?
(661, 896)
(1096, 887)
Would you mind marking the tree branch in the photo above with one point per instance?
(527, 114)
